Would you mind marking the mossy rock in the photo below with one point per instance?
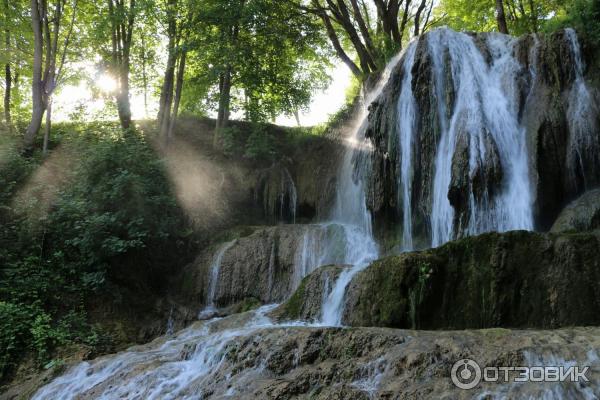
(516, 279)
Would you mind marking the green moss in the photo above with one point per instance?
(293, 307)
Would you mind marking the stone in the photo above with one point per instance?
(582, 214)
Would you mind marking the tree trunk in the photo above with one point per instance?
(144, 77)
(123, 104)
(417, 18)
(37, 85)
(224, 102)
(7, 90)
(364, 29)
(166, 94)
(500, 17)
(337, 45)
(178, 90)
(164, 113)
(121, 39)
(48, 127)
(7, 72)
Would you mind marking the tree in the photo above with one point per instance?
(374, 39)
(121, 19)
(47, 65)
(177, 33)
(264, 57)
(514, 16)
(7, 68)
(500, 17)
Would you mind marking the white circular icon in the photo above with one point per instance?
(466, 374)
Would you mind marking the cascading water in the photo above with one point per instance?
(582, 115)
(486, 113)
(351, 210)
(215, 266)
(287, 196)
(406, 126)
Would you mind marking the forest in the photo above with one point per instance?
(138, 136)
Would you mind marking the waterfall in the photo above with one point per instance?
(289, 193)
(406, 126)
(582, 119)
(215, 267)
(485, 116)
(350, 210)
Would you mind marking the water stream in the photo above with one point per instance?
(485, 113)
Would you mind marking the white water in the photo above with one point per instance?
(159, 370)
(485, 102)
(551, 390)
(288, 191)
(582, 116)
(406, 126)
(351, 210)
(215, 267)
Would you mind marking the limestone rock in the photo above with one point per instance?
(582, 214)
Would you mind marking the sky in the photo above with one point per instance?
(78, 100)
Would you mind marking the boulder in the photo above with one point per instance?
(582, 214)
(517, 279)
(256, 265)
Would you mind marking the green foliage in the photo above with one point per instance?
(260, 144)
(233, 138)
(584, 16)
(276, 55)
(114, 223)
(534, 16)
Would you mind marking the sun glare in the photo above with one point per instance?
(106, 83)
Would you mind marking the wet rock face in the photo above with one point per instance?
(260, 266)
(230, 359)
(582, 214)
(556, 107)
(307, 301)
(517, 279)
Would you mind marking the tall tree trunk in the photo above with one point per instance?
(417, 18)
(122, 21)
(178, 90)
(500, 17)
(37, 85)
(364, 29)
(7, 72)
(7, 92)
(48, 127)
(144, 75)
(166, 94)
(164, 113)
(123, 104)
(224, 102)
(336, 42)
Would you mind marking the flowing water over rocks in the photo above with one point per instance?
(454, 140)
(246, 356)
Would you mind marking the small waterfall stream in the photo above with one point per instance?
(583, 113)
(406, 126)
(215, 267)
(350, 209)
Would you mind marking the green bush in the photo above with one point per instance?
(260, 144)
(115, 224)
